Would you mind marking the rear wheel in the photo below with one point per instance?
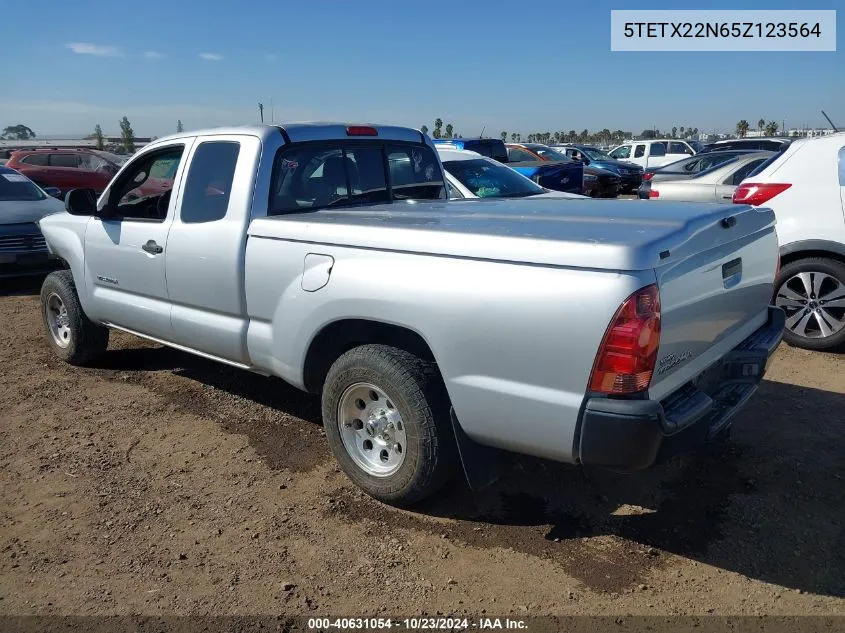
(72, 335)
(386, 416)
(812, 293)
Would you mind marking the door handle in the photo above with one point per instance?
(152, 247)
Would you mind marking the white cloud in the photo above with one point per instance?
(85, 48)
(211, 57)
(153, 55)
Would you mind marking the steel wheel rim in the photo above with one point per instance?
(814, 303)
(58, 320)
(372, 429)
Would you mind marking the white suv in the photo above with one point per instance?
(805, 187)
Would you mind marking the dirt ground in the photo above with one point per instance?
(160, 483)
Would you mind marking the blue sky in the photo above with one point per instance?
(506, 65)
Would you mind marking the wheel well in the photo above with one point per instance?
(339, 337)
(791, 257)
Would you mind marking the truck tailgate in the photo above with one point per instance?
(715, 295)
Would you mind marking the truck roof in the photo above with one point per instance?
(306, 131)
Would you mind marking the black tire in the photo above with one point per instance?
(417, 391)
(87, 340)
(831, 267)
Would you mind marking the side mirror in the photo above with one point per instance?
(81, 202)
(54, 192)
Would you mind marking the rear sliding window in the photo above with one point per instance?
(318, 176)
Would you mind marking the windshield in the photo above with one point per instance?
(15, 187)
(595, 154)
(488, 179)
(550, 154)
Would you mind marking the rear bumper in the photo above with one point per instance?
(631, 435)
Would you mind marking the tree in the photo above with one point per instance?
(127, 136)
(504, 136)
(438, 123)
(424, 129)
(682, 131)
(449, 130)
(742, 128)
(513, 137)
(17, 132)
(648, 134)
(761, 124)
(772, 128)
(694, 132)
(519, 138)
(98, 134)
(674, 132)
(179, 128)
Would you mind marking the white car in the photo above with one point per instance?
(653, 153)
(471, 175)
(805, 187)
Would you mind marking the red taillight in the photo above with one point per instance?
(653, 193)
(628, 352)
(361, 130)
(648, 176)
(757, 193)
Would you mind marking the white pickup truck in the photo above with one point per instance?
(438, 333)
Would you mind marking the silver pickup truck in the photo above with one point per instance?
(438, 333)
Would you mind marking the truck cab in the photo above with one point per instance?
(652, 153)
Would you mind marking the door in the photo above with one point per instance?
(639, 156)
(125, 252)
(205, 248)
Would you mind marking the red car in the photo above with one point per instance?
(66, 169)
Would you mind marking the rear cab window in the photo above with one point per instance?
(319, 175)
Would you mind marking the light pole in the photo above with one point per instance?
(261, 111)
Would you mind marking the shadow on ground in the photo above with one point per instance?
(767, 504)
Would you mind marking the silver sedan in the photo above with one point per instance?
(712, 185)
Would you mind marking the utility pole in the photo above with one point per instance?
(272, 111)
(261, 111)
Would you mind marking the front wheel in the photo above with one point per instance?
(812, 293)
(71, 334)
(386, 416)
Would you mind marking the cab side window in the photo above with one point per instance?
(657, 149)
(208, 185)
(639, 152)
(139, 194)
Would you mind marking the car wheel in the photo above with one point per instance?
(72, 335)
(387, 421)
(812, 293)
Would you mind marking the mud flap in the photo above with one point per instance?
(482, 464)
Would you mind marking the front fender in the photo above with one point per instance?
(65, 237)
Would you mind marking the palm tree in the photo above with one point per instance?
(682, 131)
(438, 123)
(742, 128)
(449, 130)
(772, 128)
(424, 129)
(674, 132)
(504, 136)
(760, 125)
(513, 137)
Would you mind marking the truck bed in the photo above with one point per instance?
(596, 234)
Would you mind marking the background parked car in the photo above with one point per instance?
(805, 187)
(630, 176)
(490, 147)
(596, 183)
(66, 169)
(690, 166)
(22, 203)
(717, 184)
(470, 175)
(559, 175)
(652, 153)
(766, 144)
